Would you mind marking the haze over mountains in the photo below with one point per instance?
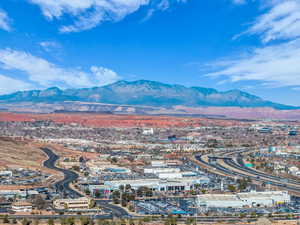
(145, 93)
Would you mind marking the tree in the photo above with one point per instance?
(116, 196)
(131, 222)
(231, 188)
(190, 221)
(87, 191)
(146, 219)
(128, 187)
(114, 160)
(243, 183)
(76, 168)
(25, 222)
(97, 194)
(171, 221)
(63, 221)
(124, 203)
(5, 219)
(121, 188)
(85, 221)
(50, 222)
(86, 174)
(131, 208)
(71, 221)
(39, 202)
(242, 215)
(123, 222)
(253, 214)
(197, 186)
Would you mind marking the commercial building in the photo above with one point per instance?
(72, 204)
(22, 206)
(170, 184)
(6, 173)
(219, 200)
(21, 194)
(246, 199)
(268, 198)
(158, 170)
(158, 163)
(148, 131)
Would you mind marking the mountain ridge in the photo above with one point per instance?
(148, 93)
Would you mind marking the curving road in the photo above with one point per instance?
(63, 186)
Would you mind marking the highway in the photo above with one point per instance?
(259, 176)
(234, 170)
(63, 186)
(242, 165)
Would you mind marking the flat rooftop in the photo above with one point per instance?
(218, 197)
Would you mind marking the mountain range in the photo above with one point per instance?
(145, 93)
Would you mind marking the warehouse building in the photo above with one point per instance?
(246, 199)
(269, 198)
(219, 200)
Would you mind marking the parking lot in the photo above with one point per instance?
(178, 206)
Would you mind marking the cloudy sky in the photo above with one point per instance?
(252, 45)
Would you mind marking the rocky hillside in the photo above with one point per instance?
(147, 93)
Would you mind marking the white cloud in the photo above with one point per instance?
(282, 21)
(48, 74)
(104, 75)
(276, 65)
(9, 85)
(87, 14)
(4, 21)
(160, 5)
(48, 46)
(239, 1)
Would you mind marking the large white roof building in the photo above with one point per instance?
(170, 184)
(247, 199)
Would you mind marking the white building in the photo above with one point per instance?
(6, 173)
(174, 175)
(148, 131)
(181, 184)
(219, 200)
(247, 199)
(268, 198)
(22, 194)
(158, 163)
(158, 170)
(22, 206)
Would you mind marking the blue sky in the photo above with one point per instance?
(252, 45)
